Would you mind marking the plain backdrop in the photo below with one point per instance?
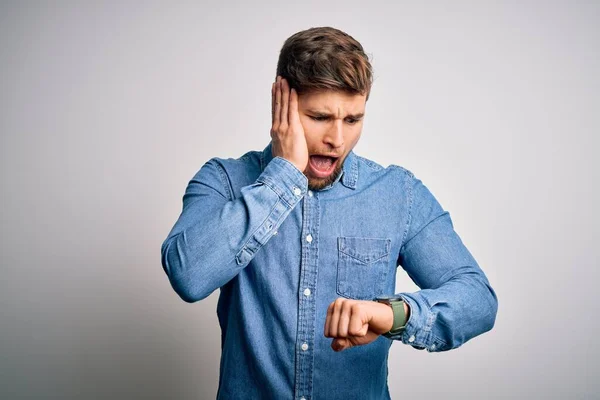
(107, 110)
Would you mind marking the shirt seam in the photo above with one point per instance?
(423, 228)
(253, 234)
(410, 204)
(224, 179)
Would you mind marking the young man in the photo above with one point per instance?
(304, 238)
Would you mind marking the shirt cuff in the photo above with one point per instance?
(417, 332)
(285, 179)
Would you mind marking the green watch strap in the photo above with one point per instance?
(399, 316)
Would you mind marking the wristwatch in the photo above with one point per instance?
(397, 305)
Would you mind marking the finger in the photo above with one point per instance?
(276, 114)
(356, 326)
(285, 96)
(335, 317)
(293, 114)
(273, 102)
(344, 319)
(328, 320)
(340, 344)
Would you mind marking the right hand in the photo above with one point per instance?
(287, 133)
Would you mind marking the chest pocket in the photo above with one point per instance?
(362, 267)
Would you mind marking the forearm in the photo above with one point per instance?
(214, 238)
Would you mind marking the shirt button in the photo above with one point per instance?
(309, 238)
(411, 339)
(307, 292)
(302, 398)
(274, 232)
(310, 194)
(297, 191)
(304, 346)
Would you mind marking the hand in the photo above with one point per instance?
(287, 133)
(356, 322)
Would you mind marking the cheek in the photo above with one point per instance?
(312, 129)
(353, 135)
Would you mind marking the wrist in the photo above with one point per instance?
(400, 314)
(389, 320)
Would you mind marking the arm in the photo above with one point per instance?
(456, 301)
(215, 236)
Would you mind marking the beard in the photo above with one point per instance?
(320, 183)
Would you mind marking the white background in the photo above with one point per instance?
(107, 110)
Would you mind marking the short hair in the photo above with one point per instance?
(325, 58)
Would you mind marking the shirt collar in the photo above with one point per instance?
(349, 174)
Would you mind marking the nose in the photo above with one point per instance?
(335, 134)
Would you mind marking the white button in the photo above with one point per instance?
(310, 193)
(307, 292)
(411, 339)
(302, 398)
(309, 238)
(275, 233)
(297, 191)
(433, 346)
(304, 346)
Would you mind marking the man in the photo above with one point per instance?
(304, 238)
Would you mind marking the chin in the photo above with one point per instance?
(320, 183)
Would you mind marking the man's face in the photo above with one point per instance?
(332, 123)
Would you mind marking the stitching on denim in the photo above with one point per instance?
(426, 225)
(224, 178)
(431, 317)
(252, 236)
(363, 261)
(296, 172)
(371, 164)
(408, 187)
(386, 241)
(439, 340)
(268, 183)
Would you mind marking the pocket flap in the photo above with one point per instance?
(366, 250)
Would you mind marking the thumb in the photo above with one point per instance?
(340, 344)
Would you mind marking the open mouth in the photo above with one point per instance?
(322, 166)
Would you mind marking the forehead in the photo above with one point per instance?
(332, 101)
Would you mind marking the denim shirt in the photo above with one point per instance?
(280, 254)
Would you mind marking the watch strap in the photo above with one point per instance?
(399, 318)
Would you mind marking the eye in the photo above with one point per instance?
(352, 121)
(319, 118)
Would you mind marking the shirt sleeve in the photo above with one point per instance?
(456, 301)
(216, 236)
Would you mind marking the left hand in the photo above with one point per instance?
(356, 322)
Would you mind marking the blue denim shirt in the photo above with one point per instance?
(281, 253)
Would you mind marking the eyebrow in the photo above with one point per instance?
(328, 114)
